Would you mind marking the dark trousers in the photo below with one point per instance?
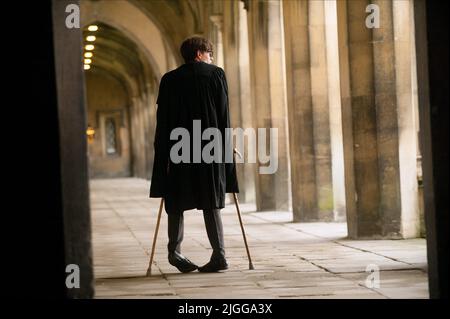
(214, 229)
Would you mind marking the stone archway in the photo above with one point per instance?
(129, 104)
(137, 26)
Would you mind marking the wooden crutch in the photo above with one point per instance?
(250, 264)
(149, 270)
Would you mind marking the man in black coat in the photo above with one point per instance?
(194, 94)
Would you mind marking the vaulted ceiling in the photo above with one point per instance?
(138, 40)
(119, 56)
(177, 19)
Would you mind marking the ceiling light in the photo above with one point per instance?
(88, 55)
(87, 61)
(87, 66)
(89, 47)
(91, 38)
(93, 27)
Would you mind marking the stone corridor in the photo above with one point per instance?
(292, 260)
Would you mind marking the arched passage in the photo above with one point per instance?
(120, 84)
(137, 26)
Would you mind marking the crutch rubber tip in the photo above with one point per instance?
(149, 272)
(250, 266)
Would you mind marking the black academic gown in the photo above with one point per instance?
(194, 91)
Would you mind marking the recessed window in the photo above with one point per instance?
(111, 136)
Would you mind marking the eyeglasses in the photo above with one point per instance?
(211, 53)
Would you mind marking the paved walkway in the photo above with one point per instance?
(292, 260)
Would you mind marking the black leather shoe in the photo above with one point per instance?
(214, 265)
(181, 263)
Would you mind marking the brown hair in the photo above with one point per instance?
(190, 46)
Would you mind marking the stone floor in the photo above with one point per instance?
(292, 260)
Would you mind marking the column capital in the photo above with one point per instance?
(246, 4)
(217, 19)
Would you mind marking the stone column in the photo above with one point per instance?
(245, 97)
(148, 131)
(379, 144)
(151, 103)
(217, 21)
(236, 59)
(309, 122)
(432, 59)
(334, 104)
(407, 104)
(320, 109)
(267, 67)
(69, 214)
(137, 133)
